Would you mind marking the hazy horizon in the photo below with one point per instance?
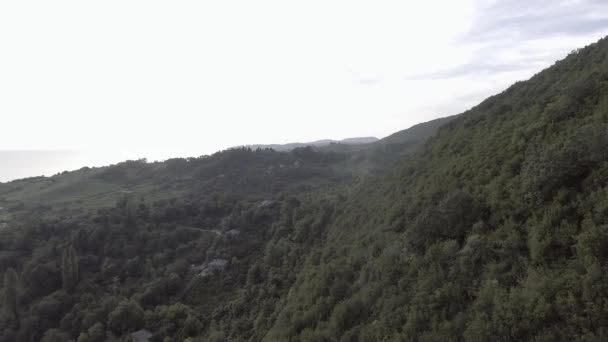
(19, 164)
(166, 81)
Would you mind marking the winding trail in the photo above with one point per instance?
(214, 231)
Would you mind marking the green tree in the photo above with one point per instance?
(55, 335)
(69, 270)
(128, 315)
(128, 205)
(96, 333)
(10, 292)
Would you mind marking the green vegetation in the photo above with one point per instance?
(10, 294)
(69, 270)
(494, 230)
(493, 227)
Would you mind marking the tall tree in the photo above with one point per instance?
(69, 270)
(10, 292)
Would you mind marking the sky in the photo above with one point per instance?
(104, 81)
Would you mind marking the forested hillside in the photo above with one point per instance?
(496, 230)
(194, 237)
(493, 227)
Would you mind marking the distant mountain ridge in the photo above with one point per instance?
(404, 140)
(318, 143)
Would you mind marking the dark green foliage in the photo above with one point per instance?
(54, 335)
(495, 230)
(567, 163)
(10, 293)
(128, 206)
(127, 316)
(451, 219)
(96, 333)
(69, 270)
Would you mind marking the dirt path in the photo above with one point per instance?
(214, 231)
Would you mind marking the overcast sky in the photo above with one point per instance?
(183, 78)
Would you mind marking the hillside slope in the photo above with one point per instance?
(496, 230)
(417, 132)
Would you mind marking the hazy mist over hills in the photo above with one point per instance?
(318, 143)
(18, 164)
